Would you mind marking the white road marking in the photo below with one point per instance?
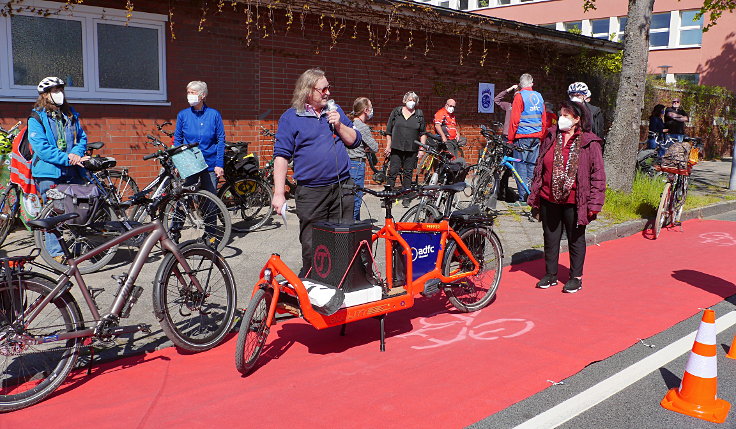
(594, 395)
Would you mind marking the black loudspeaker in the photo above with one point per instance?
(335, 245)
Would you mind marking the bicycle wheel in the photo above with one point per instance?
(80, 239)
(663, 217)
(422, 212)
(31, 368)
(9, 206)
(197, 215)
(195, 320)
(249, 203)
(678, 198)
(484, 187)
(124, 185)
(474, 292)
(253, 331)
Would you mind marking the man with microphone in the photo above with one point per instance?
(314, 133)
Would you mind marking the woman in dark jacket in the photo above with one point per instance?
(568, 188)
(656, 125)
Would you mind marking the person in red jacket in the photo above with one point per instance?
(568, 189)
(526, 130)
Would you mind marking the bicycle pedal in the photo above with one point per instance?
(431, 287)
(144, 328)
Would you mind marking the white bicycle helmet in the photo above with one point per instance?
(578, 88)
(48, 83)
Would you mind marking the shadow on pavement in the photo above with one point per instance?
(707, 282)
(669, 378)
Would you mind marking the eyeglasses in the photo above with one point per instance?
(675, 101)
(324, 90)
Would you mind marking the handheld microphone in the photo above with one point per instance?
(331, 107)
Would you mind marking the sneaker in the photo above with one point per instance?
(547, 281)
(573, 285)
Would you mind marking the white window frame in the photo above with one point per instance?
(91, 92)
(669, 29)
(679, 27)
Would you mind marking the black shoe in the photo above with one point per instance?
(547, 281)
(573, 285)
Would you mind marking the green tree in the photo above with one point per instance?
(620, 154)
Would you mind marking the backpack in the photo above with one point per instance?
(20, 162)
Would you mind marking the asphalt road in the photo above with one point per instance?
(635, 405)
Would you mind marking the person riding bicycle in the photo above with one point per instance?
(59, 144)
(202, 124)
(445, 124)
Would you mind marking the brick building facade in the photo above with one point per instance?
(252, 84)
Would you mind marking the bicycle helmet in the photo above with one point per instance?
(48, 83)
(578, 88)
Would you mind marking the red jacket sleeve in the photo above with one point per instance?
(516, 108)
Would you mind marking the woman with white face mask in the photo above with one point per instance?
(59, 144)
(568, 188)
(404, 126)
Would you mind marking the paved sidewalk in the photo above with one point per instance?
(521, 238)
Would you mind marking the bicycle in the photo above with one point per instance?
(244, 192)
(11, 194)
(115, 178)
(464, 262)
(42, 329)
(267, 172)
(674, 194)
(447, 170)
(184, 212)
(647, 159)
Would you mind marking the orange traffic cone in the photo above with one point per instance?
(732, 351)
(696, 395)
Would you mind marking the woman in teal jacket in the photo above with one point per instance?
(59, 144)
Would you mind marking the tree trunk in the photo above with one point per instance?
(623, 137)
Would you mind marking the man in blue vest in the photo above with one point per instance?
(526, 131)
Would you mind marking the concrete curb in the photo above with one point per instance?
(626, 229)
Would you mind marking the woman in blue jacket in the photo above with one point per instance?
(59, 145)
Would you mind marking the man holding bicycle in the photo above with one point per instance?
(315, 136)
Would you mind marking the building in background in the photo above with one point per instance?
(679, 49)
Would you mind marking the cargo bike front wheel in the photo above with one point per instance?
(253, 330)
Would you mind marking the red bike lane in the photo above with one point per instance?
(441, 368)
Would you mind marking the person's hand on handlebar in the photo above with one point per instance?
(75, 159)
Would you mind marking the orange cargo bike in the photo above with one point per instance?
(460, 255)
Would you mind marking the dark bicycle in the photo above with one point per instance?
(42, 329)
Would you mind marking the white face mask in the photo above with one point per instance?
(193, 99)
(410, 104)
(370, 114)
(450, 109)
(57, 98)
(564, 123)
(576, 99)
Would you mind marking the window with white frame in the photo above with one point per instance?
(574, 26)
(659, 30)
(100, 54)
(622, 20)
(601, 28)
(691, 29)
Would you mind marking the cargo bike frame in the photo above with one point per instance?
(467, 268)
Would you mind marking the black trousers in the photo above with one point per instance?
(401, 161)
(554, 217)
(317, 204)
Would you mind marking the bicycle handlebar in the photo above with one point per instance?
(170, 151)
(414, 189)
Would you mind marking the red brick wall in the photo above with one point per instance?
(248, 82)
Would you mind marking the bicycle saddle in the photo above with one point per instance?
(51, 222)
(457, 187)
(95, 145)
(98, 163)
(466, 213)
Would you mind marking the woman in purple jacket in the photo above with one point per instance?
(568, 188)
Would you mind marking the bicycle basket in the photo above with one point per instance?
(675, 158)
(189, 162)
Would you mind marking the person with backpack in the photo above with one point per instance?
(59, 144)
(361, 113)
(405, 125)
